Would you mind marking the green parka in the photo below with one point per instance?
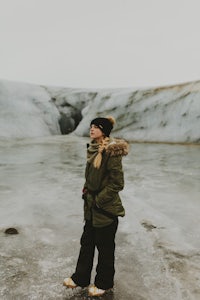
(102, 186)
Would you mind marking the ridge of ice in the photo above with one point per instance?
(163, 114)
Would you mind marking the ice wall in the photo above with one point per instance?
(26, 111)
(164, 114)
(168, 114)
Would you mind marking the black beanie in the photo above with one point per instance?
(103, 124)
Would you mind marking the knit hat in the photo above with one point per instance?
(104, 124)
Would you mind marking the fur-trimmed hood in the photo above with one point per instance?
(117, 147)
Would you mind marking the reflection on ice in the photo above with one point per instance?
(158, 242)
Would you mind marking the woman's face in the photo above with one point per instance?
(96, 133)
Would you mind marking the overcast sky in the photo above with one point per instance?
(100, 43)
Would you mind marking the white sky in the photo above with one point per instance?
(100, 43)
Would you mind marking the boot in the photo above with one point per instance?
(68, 282)
(95, 291)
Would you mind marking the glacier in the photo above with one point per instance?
(168, 114)
(43, 137)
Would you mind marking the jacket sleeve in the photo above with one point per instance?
(114, 181)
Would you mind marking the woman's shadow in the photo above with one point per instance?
(83, 295)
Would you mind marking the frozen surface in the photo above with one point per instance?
(158, 241)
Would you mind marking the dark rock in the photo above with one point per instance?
(11, 230)
(148, 225)
(66, 124)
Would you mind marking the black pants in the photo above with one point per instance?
(104, 239)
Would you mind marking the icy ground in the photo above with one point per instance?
(158, 242)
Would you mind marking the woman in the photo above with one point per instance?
(102, 205)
